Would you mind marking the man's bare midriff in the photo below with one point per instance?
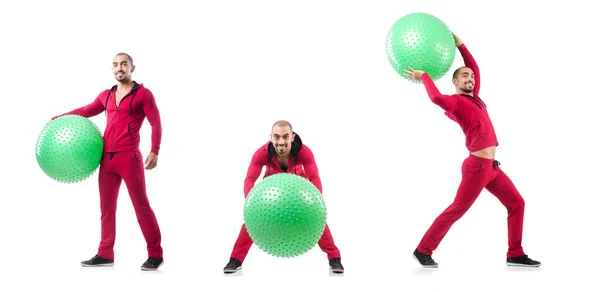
(489, 153)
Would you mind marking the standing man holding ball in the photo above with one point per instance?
(479, 170)
(127, 104)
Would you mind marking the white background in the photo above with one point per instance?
(223, 71)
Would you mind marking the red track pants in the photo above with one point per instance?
(244, 242)
(129, 167)
(479, 173)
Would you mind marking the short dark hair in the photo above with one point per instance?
(282, 123)
(455, 75)
(128, 57)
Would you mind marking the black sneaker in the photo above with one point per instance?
(152, 264)
(425, 260)
(522, 261)
(336, 265)
(232, 266)
(97, 261)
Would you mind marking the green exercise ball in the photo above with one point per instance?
(423, 42)
(69, 148)
(285, 215)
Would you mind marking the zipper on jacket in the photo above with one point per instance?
(117, 118)
(115, 127)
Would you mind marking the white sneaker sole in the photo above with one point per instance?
(231, 271)
(152, 269)
(98, 265)
(522, 265)
(425, 266)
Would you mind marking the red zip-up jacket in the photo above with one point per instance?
(301, 162)
(469, 112)
(123, 124)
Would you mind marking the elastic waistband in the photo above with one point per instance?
(121, 151)
(480, 159)
(484, 161)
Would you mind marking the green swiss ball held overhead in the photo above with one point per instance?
(423, 42)
(69, 148)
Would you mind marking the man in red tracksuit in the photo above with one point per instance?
(285, 153)
(126, 105)
(479, 170)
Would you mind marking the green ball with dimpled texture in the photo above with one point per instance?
(69, 148)
(285, 215)
(423, 42)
